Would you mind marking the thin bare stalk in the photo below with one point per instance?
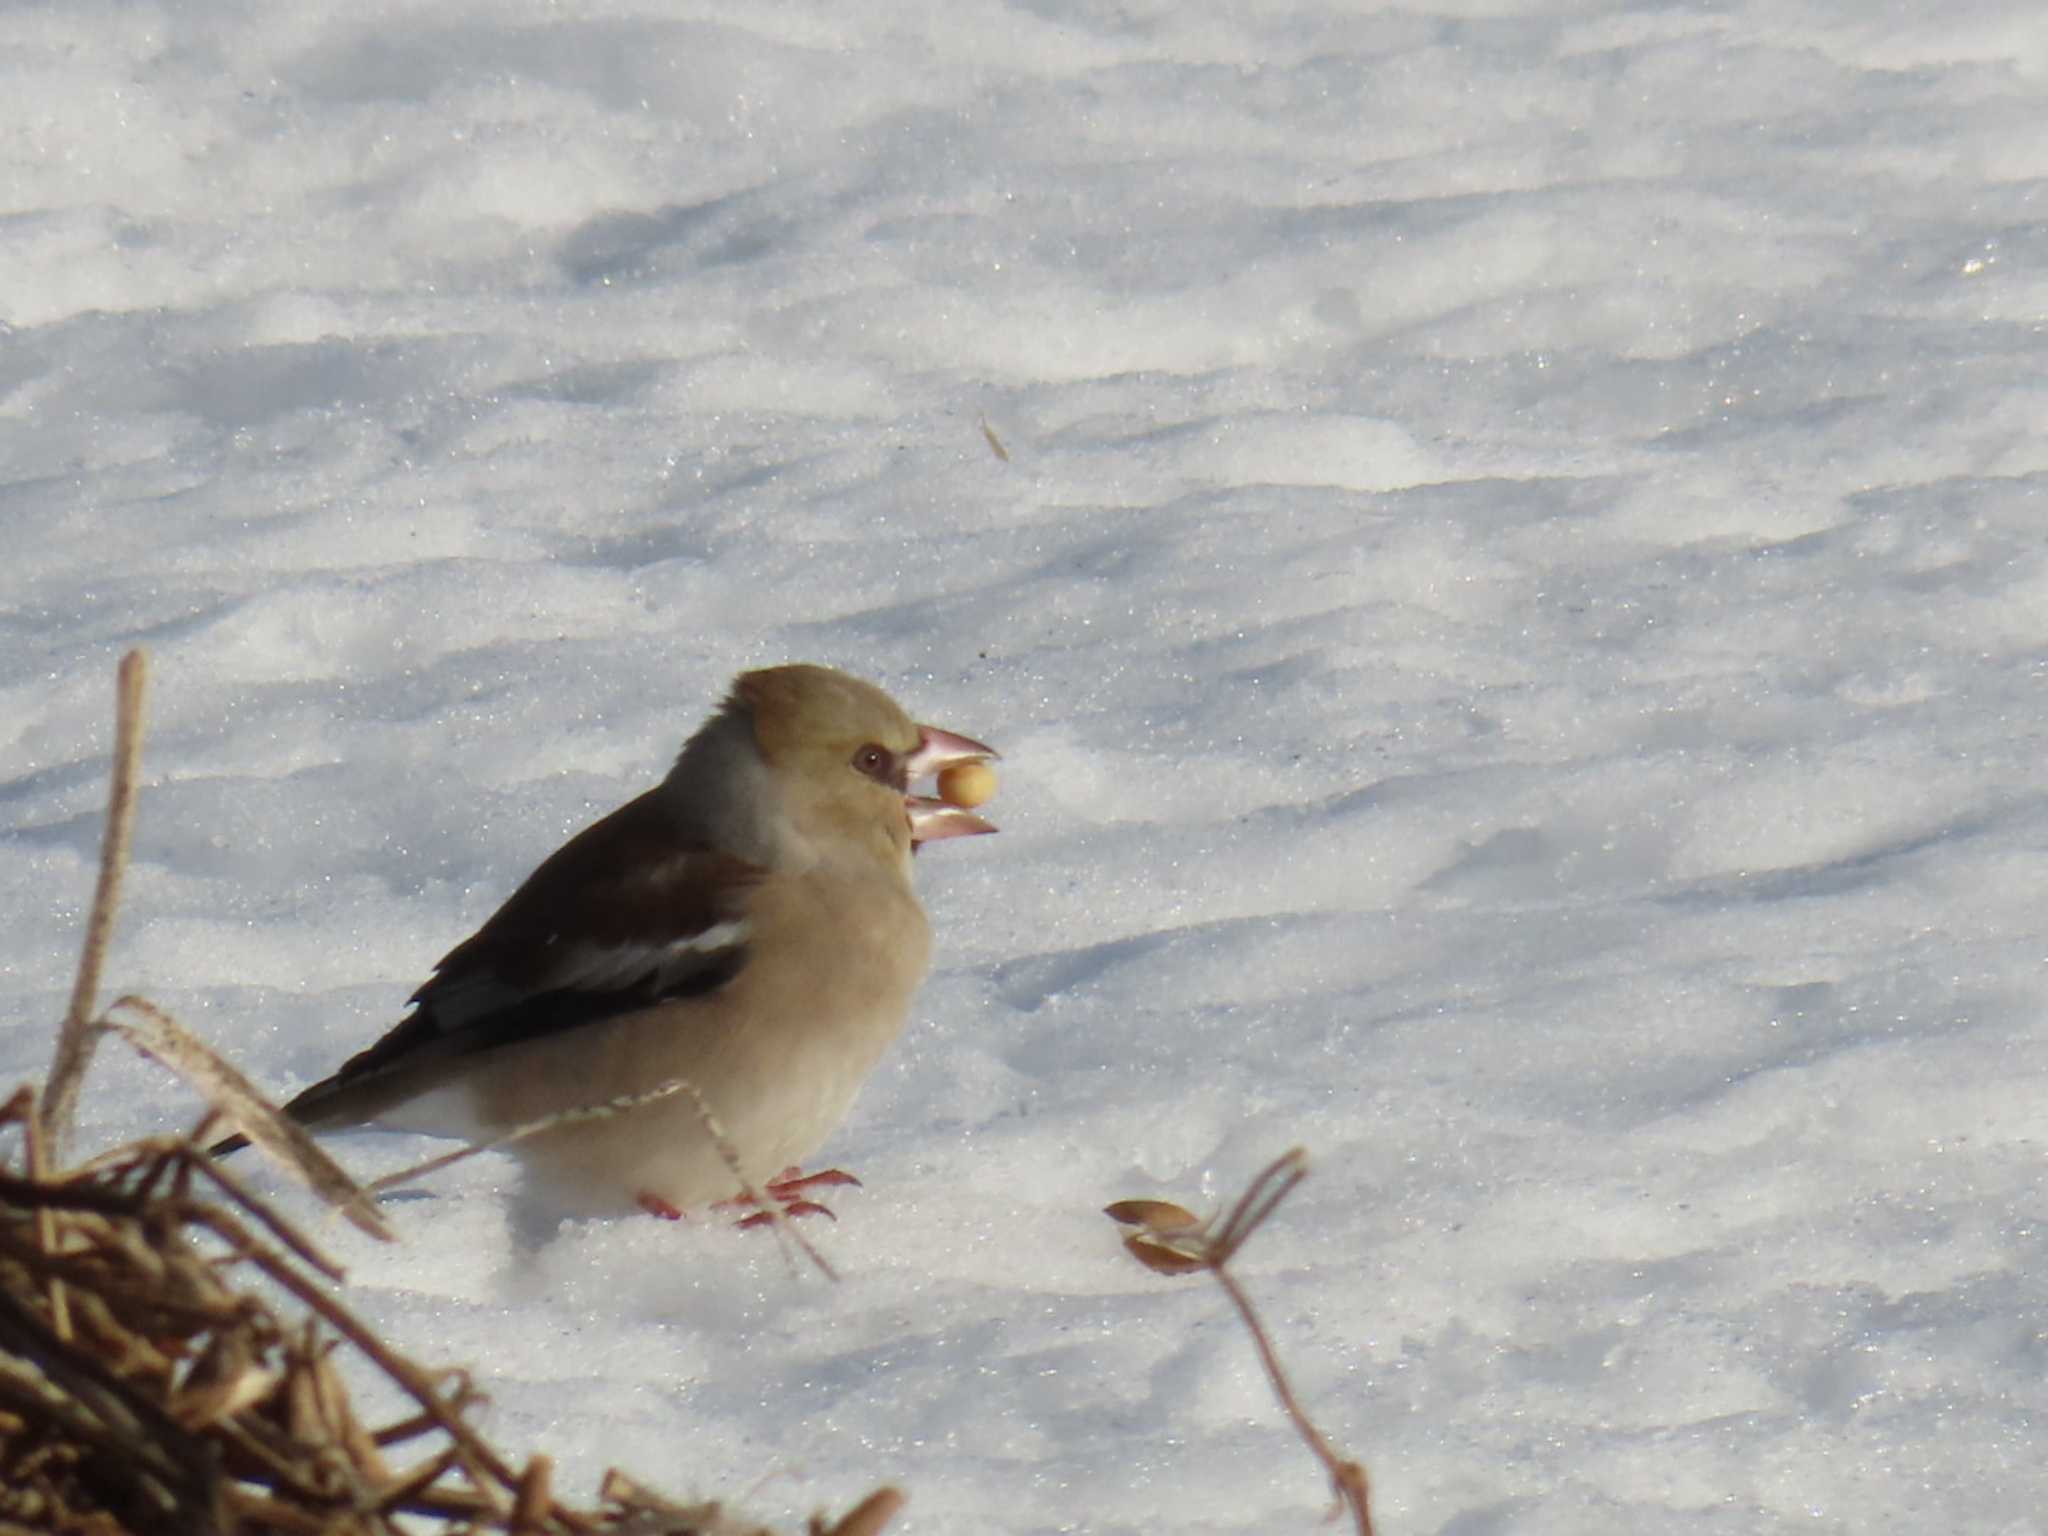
(21, 1108)
(1170, 1240)
(1274, 1183)
(157, 1035)
(75, 1041)
(1346, 1477)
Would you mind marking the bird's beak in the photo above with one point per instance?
(932, 818)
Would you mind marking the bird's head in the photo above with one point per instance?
(844, 756)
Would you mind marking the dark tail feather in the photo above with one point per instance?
(228, 1144)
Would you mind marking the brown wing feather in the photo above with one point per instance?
(628, 912)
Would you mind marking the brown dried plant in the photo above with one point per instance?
(1170, 1240)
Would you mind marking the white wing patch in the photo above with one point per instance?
(619, 967)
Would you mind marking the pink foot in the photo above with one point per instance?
(787, 1189)
(794, 1181)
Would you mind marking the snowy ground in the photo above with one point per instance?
(1516, 609)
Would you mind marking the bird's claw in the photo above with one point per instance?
(789, 1190)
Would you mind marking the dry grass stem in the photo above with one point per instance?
(157, 1035)
(75, 1040)
(1171, 1240)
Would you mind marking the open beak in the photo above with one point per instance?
(930, 817)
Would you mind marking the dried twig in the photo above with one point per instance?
(1171, 1240)
(75, 1040)
(156, 1034)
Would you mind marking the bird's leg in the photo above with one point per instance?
(654, 1205)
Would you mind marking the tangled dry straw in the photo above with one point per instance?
(172, 1350)
(169, 1356)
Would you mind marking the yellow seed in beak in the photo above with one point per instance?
(968, 785)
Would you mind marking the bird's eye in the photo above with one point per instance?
(875, 762)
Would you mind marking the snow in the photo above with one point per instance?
(1516, 612)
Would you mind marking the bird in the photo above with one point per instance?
(747, 926)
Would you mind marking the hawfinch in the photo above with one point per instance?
(747, 925)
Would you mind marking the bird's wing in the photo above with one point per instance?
(628, 913)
